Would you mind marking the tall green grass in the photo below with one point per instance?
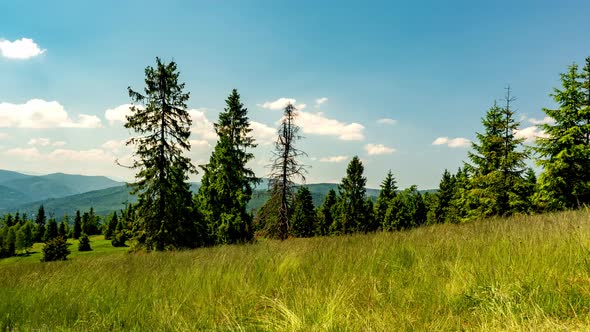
(528, 273)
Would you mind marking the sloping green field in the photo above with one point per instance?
(523, 273)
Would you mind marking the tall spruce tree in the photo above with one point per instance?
(304, 216)
(564, 153)
(444, 196)
(111, 226)
(227, 183)
(52, 230)
(326, 214)
(165, 214)
(387, 193)
(40, 220)
(77, 226)
(284, 169)
(352, 198)
(497, 163)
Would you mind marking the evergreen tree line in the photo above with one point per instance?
(495, 181)
(18, 232)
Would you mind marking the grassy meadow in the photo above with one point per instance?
(526, 273)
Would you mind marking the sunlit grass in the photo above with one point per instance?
(523, 273)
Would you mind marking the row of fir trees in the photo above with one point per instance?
(496, 181)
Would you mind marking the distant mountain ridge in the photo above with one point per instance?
(17, 189)
(64, 194)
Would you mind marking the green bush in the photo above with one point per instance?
(119, 239)
(84, 244)
(55, 249)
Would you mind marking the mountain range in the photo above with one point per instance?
(64, 194)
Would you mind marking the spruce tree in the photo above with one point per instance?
(84, 243)
(165, 214)
(111, 226)
(352, 198)
(40, 223)
(63, 228)
(444, 195)
(52, 230)
(387, 193)
(227, 183)
(303, 220)
(564, 153)
(326, 214)
(284, 169)
(55, 249)
(77, 226)
(498, 163)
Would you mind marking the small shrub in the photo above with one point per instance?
(55, 249)
(119, 239)
(84, 244)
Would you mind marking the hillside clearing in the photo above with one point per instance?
(523, 273)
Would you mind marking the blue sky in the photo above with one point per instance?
(432, 67)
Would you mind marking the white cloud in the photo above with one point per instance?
(119, 113)
(24, 153)
(202, 127)
(41, 141)
(21, 49)
(281, 103)
(196, 143)
(263, 134)
(458, 142)
(318, 124)
(545, 120)
(334, 159)
(81, 155)
(378, 149)
(530, 134)
(387, 121)
(320, 101)
(38, 113)
(3, 135)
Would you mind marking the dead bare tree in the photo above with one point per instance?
(285, 168)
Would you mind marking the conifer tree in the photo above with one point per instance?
(63, 228)
(304, 216)
(165, 214)
(227, 183)
(387, 193)
(284, 169)
(564, 153)
(446, 191)
(77, 226)
(111, 226)
(40, 223)
(352, 198)
(55, 249)
(498, 163)
(326, 214)
(9, 243)
(84, 243)
(51, 231)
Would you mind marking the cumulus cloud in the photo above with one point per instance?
(458, 142)
(281, 103)
(197, 143)
(387, 121)
(320, 101)
(119, 113)
(530, 134)
(21, 49)
(378, 149)
(545, 120)
(202, 127)
(41, 141)
(262, 133)
(334, 159)
(319, 124)
(38, 113)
